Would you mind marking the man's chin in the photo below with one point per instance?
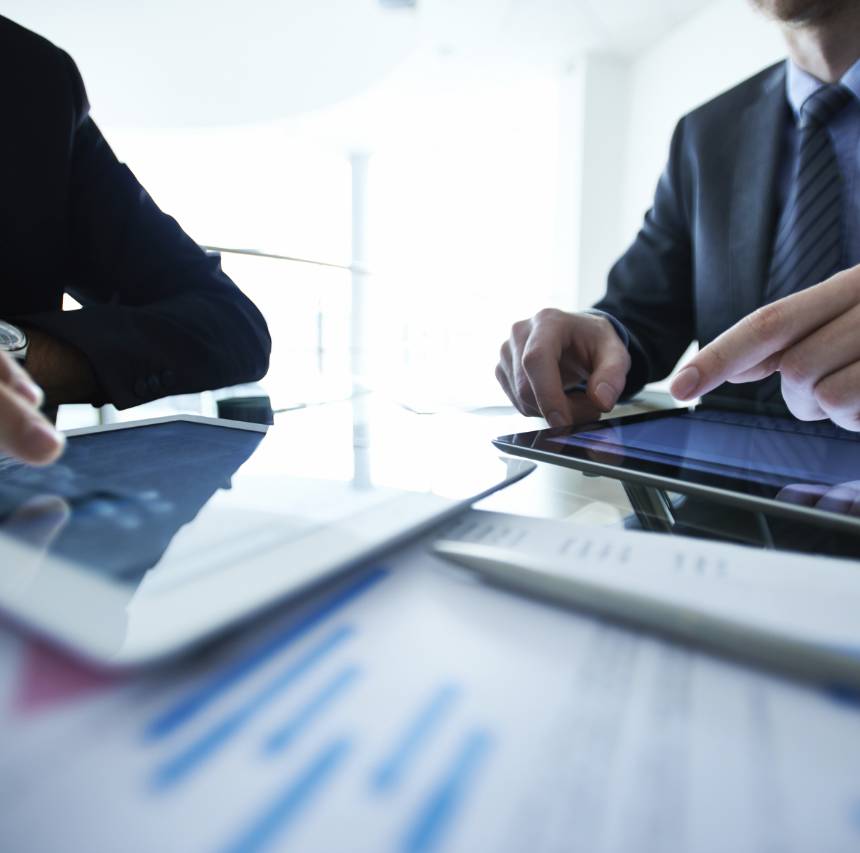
(801, 12)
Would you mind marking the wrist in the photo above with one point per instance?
(61, 370)
(14, 341)
(619, 327)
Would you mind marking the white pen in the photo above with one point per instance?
(557, 581)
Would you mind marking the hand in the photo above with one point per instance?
(554, 351)
(24, 432)
(843, 498)
(811, 338)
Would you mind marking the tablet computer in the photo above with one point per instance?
(147, 537)
(779, 465)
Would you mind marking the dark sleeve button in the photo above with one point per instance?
(154, 384)
(141, 388)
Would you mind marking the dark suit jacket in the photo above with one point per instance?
(699, 263)
(159, 315)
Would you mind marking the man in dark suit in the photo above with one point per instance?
(750, 248)
(159, 316)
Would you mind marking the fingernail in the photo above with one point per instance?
(30, 391)
(555, 419)
(686, 383)
(605, 394)
(42, 440)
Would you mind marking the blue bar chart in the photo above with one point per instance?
(407, 708)
(184, 710)
(310, 667)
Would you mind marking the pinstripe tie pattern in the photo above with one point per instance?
(808, 244)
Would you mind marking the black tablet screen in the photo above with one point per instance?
(115, 500)
(769, 450)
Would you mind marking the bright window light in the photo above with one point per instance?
(463, 197)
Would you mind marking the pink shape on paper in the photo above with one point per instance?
(49, 678)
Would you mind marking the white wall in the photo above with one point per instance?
(604, 99)
(712, 51)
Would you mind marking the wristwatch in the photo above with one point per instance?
(13, 341)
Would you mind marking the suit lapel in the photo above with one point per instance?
(753, 208)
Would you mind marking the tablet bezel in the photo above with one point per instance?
(538, 445)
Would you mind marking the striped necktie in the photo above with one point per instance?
(808, 244)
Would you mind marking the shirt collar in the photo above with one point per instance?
(800, 84)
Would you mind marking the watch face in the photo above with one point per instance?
(11, 337)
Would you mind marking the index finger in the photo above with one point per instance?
(541, 364)
(12, 374)
(25, 433)
(766, 331)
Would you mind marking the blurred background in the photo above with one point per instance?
(408, 176)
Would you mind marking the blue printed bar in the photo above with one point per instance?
(441, 807)
(287, 733)
(279, 815)
(179, 766)
(197, 701)
(429, 719)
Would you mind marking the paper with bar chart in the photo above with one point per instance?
(410, 708)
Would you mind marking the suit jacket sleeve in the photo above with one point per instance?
(650, 289)
(159, 315)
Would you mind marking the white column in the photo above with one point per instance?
(358, 343)
(564, 290)
(362, 475)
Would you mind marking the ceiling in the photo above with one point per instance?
(184, 63)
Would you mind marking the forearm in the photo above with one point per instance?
(650, 289)
(61, 370)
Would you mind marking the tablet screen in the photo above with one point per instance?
(769, 450)
(753, 456)
(115, 500)
(172, 500)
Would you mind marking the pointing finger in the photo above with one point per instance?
(764, 332)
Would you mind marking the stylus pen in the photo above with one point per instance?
(742, 639)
